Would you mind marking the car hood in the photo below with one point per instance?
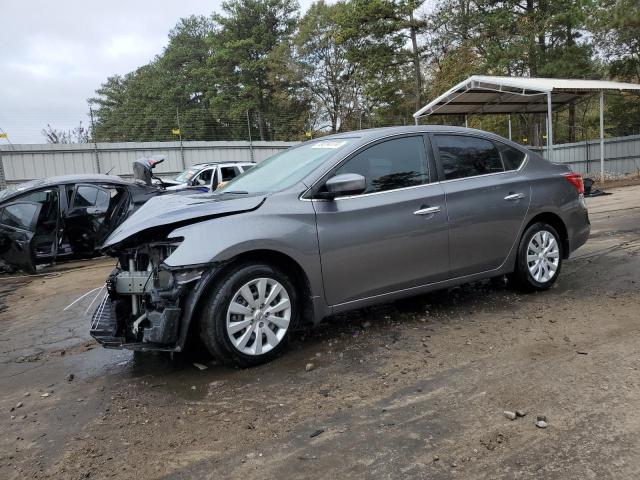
(168, 212)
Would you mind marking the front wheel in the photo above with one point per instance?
(249, 315)
(539, 258)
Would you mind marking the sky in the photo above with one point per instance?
(54, 55)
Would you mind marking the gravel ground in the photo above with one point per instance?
(413, 389)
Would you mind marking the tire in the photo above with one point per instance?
(228, 335)
(533, 275)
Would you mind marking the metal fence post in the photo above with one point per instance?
(184, 166)
(95, 145)
(250, 141)
(3, 179)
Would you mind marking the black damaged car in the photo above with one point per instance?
(61, 218)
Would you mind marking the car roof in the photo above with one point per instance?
(65, 180)
(365, 136)
(372, 133)
(223, 162)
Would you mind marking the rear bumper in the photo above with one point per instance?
(580, 238)
(579, 227)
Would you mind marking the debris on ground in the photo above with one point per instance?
(308, 367)
(521, 413)
(541, 424)
(510, 415)
(316, 433)
(200, 366)
(70, 377)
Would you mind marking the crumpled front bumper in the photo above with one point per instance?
(154, 322)
(108, 330)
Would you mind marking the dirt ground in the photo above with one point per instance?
(412, 389)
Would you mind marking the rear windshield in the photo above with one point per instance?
(285, 169)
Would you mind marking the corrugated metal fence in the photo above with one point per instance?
(28, 162)
(621, 156)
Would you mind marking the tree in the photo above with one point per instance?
(517, 37)
(252, 64)
(383, 42)
(144, 104)
(78, 134)
(330, 77)
(616, 27)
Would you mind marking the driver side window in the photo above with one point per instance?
(389, 165)
(204, 177)
(19, 215)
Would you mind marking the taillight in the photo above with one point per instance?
(576, 180)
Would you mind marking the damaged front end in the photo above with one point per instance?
(144, 307)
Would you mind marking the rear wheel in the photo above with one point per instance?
(249, 315)
(539, 258)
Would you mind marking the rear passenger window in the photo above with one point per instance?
(512, 158)
(85, 197)
(103, 200)
(389, 165)
(462, 156)
(228, 173)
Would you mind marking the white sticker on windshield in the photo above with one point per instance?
(329, 144)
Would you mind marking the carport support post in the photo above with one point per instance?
(602, 136)
(509, 127)
(466, 122)
(549, 128)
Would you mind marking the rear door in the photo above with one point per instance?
(393, 236)
(18, 222)
(487, 200)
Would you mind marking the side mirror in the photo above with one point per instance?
(343, 185)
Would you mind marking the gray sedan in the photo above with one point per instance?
(335, 224)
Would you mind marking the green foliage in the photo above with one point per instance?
(352, 64)
(332, 81)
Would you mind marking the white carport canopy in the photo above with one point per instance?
(488, 95)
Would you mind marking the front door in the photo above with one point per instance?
(84, 221)
(487, 200)
(17, 230)
(393, 236)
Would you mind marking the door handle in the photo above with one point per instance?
(514, 196)
(427, 211)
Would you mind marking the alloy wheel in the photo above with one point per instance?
(258, 316)
(543, 256)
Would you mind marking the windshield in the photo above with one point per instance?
(188, 174)
(285, 169)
